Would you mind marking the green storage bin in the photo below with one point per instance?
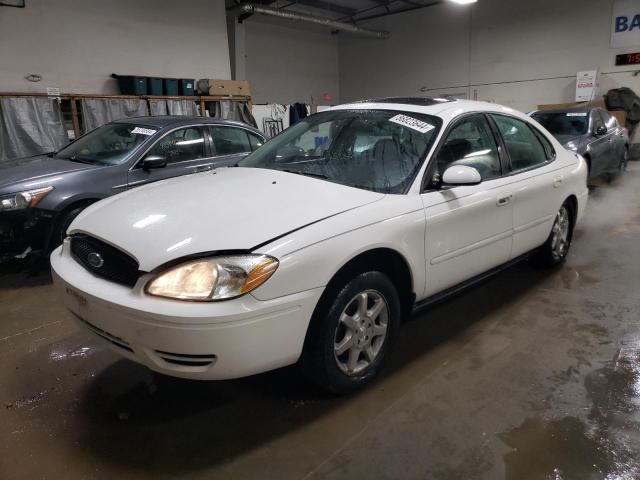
(170, 87)
(131, 84)
(155, 86)
(185, 86)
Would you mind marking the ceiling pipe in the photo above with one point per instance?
(247, 9)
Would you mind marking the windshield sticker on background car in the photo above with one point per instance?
(413, 123)
(143, 131)
(577, 114)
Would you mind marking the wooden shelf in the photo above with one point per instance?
(73, 97)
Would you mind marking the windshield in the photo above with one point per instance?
(379, 150)
(107, 145)
(563, 123)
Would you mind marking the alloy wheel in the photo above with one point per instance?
(361, 332)
(560, 234)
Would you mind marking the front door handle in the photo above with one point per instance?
(504, 200)
(557, 181)
(202, 168)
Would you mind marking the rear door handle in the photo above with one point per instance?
(557, 181)
(504, 200)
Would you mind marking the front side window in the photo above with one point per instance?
(609, 120)
(471, 143)
(181, 145)
(110, 144)
(379, 150)
(563, 123)
(524, 147)
(230, 140)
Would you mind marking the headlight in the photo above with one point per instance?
(210, 279)
(571, 146)
(22, 200)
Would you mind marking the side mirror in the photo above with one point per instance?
(601, 130)
(461, 175)
(153, 161)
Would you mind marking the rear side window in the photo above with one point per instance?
(609, 120)
(230, 140)
(523, 145)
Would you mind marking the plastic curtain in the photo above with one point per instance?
(30, 126)
(230, 110)
(96, 112)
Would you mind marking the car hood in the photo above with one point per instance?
(32, 169)
(565, 139)
(229, 209)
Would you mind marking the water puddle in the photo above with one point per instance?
(605, 445)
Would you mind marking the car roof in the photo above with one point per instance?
(439, 106)
(164, 121)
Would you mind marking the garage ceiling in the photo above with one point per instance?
(351, 11)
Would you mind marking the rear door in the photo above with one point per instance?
(231, 144)
(469, 228)
(534, 181)
(186, 150)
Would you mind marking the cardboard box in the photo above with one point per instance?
(229, 87)
(598, 102)
(620, 115)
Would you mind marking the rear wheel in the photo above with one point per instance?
(349, 340)
(556, 248)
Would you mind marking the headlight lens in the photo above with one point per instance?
(22, 200)
(571, 146)
(210, 279)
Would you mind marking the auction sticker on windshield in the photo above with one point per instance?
(413, 123)
(143, 131)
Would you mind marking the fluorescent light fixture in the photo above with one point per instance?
(464, 2)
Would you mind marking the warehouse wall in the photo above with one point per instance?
(287, 64)
(512, 52)
(77, 44)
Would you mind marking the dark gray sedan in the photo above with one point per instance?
(40, 196)
(593, 133)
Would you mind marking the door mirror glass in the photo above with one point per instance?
(461, 175)
(154, 161)
(601, 130)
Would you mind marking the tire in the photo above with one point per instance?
(338, 335)
(62, 224)
(553, 253)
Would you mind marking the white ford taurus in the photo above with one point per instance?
(318, 244)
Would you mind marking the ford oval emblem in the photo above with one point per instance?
(95, 260)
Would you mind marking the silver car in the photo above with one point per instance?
(40, 196)
(593, 133)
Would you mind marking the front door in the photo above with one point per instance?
(186, 151)
(469, 228)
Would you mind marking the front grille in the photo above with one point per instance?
(104, 260)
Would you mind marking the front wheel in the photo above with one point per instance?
(556, 248)
(349, 341)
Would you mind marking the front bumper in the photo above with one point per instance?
(198, 340)
(22, 229)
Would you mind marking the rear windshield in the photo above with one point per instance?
(379, 150)
(563, 123)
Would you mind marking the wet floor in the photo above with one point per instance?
(532, 375)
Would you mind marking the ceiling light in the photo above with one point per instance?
(463, 2)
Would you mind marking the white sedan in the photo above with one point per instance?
(317, 246)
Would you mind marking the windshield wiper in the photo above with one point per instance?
(308, 174)
(51, 154)
(79, 159)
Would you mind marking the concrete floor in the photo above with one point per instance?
(532, 375)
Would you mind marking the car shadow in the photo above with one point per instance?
(166, 426)
(28, 272)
